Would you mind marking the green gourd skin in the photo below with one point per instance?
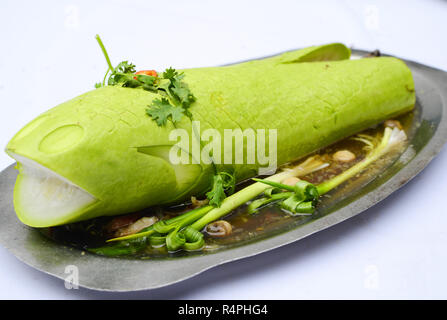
(99, 140)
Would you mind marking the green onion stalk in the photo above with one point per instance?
(106, 55)
(184, 232)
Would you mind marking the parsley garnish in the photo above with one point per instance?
(180, 97)
(162, 111)
(176, 96)
(223, 185)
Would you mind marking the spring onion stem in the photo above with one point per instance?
(357, 168)
(105, 77)
(239, 198)
(184, 231)
(104, 51)
(181, 220)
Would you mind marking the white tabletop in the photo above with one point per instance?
(394, 250)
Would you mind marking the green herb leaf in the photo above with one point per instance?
(183, 94)
(161, 111)
(170, 85)
(149, 80)
(179, 94)
(170, 74)
(223, 185)
(177, 89)
(125, 67)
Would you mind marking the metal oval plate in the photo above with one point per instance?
(428, 136)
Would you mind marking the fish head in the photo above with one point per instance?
(98, 154)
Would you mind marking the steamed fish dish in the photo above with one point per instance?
(110, 151)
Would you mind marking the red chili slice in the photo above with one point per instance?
(152, 73)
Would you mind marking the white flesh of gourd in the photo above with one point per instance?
(44, 193)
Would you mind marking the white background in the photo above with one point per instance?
(395, 250)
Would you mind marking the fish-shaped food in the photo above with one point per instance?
(101, 154)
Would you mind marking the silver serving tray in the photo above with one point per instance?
(429, 133)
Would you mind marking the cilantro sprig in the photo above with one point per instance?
(162, 111)
(176, 95)
(177, 90)
(176, 101)
(223, 185)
